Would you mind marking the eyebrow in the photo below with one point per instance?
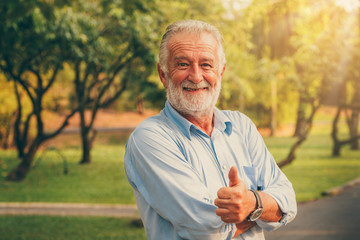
(186, 58)
(180, 57)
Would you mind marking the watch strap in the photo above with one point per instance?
(258, 199)
(259, 208)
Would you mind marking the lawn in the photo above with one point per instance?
(103, 181)
(314, 170)
(68, 228)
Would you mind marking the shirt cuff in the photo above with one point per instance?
(271, 226)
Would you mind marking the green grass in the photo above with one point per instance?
(68, 228)
(314, 170)
(102, 181)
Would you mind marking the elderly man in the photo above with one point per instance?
(199, 172)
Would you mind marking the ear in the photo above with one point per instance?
(162, 76)
(222, 72)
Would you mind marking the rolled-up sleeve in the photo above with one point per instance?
(157, 169)
(271, 180)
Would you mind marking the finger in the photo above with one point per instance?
(233, 177)
(224, 193)
(223, 203)
(227, 219)
(221, 212)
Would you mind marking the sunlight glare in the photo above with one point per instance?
(349, 5)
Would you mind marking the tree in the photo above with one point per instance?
(116, 49)
(272, 34)
(349, 104)
(353, 122)
(320, 63)
(31, 55)
(258, 52)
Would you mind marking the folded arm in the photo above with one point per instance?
(235, 203)
(159, 172)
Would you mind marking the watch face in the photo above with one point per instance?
(256, 214)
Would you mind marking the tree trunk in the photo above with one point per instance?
(334, 132)
(291, 156)
(354, 120)
(354, 129)
(273, 121)
(336, 149)
(86, 148)
(140, 105)
(21, 171)
(305, 133)
(87, 138)
(337, 144)
(301, 119)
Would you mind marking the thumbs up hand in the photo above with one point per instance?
(235, 202)
(234, 177)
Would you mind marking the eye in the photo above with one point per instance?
(206, 65)
(182, 64)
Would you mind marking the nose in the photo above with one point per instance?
(195, 74)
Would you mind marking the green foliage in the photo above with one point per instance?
(298, 43)
(32, 36)
(303, 46)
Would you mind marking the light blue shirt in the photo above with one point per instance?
(176, 170)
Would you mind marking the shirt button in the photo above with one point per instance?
(224, 167)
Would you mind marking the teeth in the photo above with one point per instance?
(194, 89)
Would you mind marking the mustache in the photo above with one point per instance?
(189, 84)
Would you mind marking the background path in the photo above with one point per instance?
(69, 209)
(331, 218)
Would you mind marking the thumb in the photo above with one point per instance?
(233, 177)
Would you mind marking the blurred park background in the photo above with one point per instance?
(77, 76)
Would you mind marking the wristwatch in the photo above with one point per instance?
(259, 208)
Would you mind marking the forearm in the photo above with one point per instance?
(271, 209)
(271, 213)
(243, 227)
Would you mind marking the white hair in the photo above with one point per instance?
(191, 26)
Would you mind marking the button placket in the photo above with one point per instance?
(220, 155)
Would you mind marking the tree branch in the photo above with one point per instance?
(63, 125)
(309, 122)
(117, 94)
(26, 128)
(52, 79)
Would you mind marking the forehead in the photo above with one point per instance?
(193, 43)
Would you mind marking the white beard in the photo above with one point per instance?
(197, 105)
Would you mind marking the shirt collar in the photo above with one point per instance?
(221, 121)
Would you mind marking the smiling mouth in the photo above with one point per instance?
(195, 89)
